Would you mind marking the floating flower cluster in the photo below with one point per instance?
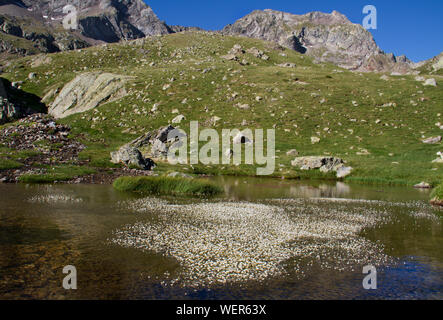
(220, 242)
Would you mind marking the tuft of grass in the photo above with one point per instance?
(437, 194)
(7, 164)
(167, 186)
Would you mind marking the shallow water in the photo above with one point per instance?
(266, 239)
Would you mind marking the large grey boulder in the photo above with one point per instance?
(324, 164)
(87, 91)
(131, 156)
(155, 144)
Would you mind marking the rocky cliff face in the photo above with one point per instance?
(107, 20)
(33, 26)
(22, 35)
(326, 37)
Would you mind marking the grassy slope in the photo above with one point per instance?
(397, 154)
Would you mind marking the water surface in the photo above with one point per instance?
(265, 239)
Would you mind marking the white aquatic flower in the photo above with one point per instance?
(240, 241)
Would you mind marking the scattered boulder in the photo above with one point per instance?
(131, 156)
(432, 140)
(237, 49)
(292, 153)
(243, 106)
(257, 53)
(154, 145)
(325, 164)
(423, 185)
(214, 120)
(287, 65)
(27, 134)
(439, 159)
(240, 138)
(178, 119)
(430, 82)
(179, 175)
(343, 172)
(315, 140)
(230, 57)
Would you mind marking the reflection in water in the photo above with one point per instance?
(44, 228)
(251, 189)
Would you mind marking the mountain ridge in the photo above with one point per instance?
(327, 37)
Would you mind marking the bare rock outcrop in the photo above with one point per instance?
(326, 37)
(35, 26)
(86, 92)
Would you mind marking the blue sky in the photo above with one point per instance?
(413, 28)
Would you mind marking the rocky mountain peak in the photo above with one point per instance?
(328, 37)
(39, 23)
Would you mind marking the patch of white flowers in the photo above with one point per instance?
(220, 242)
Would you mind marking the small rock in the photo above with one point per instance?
(433, 140)
(292, 153)
(179, 175)
(287, 65)
(214, 120)
(241, 139)
(343, 172)
(315, 140)
(423, 185)
(178, 119)
(430, 82)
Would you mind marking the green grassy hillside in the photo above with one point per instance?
(375, 125)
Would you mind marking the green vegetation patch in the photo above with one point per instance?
(437, 194)
(7, 164)
(167, 186)
(64, 173)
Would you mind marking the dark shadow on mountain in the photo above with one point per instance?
(28, 102)
(14, 2)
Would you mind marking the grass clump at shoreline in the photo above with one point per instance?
(167, 186)
(437, 195)
(7, 164)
